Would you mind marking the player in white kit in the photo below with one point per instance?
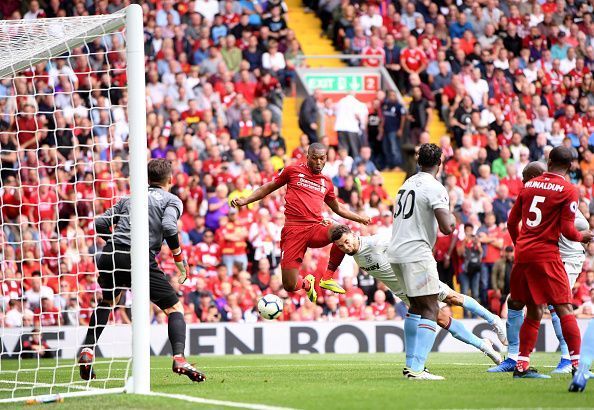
(422, 206)
(369, 252)
(573, 256)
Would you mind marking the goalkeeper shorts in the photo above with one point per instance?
(115, 274)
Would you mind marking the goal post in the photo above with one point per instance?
(72, 143)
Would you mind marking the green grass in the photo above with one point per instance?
(331, 381)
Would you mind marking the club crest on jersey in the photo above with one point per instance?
(368, 258)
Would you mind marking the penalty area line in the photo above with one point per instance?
(224, 403)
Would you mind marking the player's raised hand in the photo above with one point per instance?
(326, 222)
(587, 236)
(365, 220)
(238, 202)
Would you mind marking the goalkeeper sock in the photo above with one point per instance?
(515, 318)
(587, 353)
(410, 336)
(177, 333)
(559, 333)
(460, 332)
(97, 323)
(473, 306)
(336, 257)
(426, 332)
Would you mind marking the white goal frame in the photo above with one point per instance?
(16, 57)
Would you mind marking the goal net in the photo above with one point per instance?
(72, 143)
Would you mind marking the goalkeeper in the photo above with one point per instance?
(164, 210)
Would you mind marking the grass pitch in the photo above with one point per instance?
(331, 381)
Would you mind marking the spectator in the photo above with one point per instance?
(233, 236)
(500, 276)
(391, 127)
(351, 118)
(492, 239)
(309, 115)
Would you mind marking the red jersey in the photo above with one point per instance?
(306, 193)
(546, 207)
(414, 58)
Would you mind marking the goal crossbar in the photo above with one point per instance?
(20, 47)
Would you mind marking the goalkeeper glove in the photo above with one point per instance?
(182, 267)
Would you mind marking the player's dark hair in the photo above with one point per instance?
(429, 155)
(316, 146)
(337, 232)
(467, 225)
(560, 157)
(159, 171)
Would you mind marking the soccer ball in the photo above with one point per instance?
(270, 307)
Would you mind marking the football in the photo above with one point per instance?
(270, 307)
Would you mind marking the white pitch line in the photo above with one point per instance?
(200, 400)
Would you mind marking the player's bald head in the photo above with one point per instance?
(560, 159)
(316, 147)
(532, 170)
(316, 157)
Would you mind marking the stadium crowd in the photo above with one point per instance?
(510, 79)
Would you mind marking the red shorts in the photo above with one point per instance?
(295, 239)
(540, 283)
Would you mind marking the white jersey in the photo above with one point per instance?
(570, 249)
(371, 257)
(415, 228)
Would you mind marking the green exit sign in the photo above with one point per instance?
(343, 83)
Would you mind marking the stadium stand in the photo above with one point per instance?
(507, 87)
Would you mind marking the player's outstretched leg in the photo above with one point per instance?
(564, 366)
(97, 323)
(460, 332)
(327, 281)
(582, 374)
(293, 282)
(321, 237)
(515, 319)
(471, 305)
(176, 328)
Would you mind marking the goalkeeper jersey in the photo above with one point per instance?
(164, 210)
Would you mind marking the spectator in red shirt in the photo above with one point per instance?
(374, 49)
(233, 242)
(379, 305)
(412, 58)
(491, 237)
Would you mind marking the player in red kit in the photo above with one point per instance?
(546, 208)
(307, 191)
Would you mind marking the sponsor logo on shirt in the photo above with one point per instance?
(547, 186)
(306, 183)
(371, 268)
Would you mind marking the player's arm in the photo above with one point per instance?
(342, 210)
(105, 221)
(444, 220)
(259, 193)
(514, 218)
(568, 228)
(169, 226)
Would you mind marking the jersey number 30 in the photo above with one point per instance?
(534, 209)
(406, 206)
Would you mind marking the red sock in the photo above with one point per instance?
(336, 257)
(528, 336)
(301, 284)
(571, 333)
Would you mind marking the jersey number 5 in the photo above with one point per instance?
(403, 206)
(536, 211)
